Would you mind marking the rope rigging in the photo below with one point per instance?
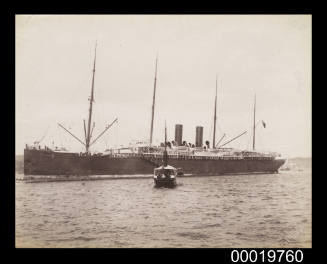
(44, 135)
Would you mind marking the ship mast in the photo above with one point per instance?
(214, 120)
(88, 135)
(253, 147)
(165, 155)
(153, 102)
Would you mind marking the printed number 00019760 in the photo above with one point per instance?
(279, 255)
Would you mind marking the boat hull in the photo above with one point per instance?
(169, 183)
(42, 162)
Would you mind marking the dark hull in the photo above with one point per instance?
(169, 183)
(42, 162)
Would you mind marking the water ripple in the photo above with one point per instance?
(224, 211)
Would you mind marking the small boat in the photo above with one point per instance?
(165, 175)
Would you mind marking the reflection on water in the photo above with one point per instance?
(222, 211)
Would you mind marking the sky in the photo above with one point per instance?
(264, 55)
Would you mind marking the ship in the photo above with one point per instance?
(142, 158)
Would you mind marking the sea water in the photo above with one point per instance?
(268, 210)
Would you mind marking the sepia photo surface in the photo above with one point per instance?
(163, 131)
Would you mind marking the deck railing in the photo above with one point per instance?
(186, 157)
(152, 156)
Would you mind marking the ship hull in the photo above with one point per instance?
(42, 162)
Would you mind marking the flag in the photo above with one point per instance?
(263, 123)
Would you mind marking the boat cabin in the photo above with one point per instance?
(163, 172)
(165, 176)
